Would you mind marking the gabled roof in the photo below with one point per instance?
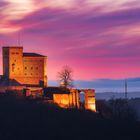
(32, 55)
(9, 82)
(13, 47)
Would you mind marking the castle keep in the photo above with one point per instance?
(25, 68)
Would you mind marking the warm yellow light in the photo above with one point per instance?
(92, 107)
(61, 100)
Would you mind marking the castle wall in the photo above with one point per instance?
(4, 89)
(90, 102)
(67, 100)
(13, 63)
(5, 54)
(34, 70)
(62, 100)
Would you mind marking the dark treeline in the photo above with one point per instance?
(27, 119)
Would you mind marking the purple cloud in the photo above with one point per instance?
(92, 40)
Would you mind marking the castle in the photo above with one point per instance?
(26, 74)
(25, 68)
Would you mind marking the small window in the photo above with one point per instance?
(37, 68)
(31, 74)
(25, 74)
(17, 53)
(25, 68)
(13, 67)
(31, 68)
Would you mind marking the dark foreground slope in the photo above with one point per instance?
(24, 119)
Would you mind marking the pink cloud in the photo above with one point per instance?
(96, 43)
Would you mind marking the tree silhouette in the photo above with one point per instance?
(65, 77)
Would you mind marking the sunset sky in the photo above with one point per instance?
(96, 38)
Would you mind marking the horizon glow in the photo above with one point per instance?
(97, 39)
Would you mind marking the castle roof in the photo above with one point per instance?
(9, 82)
(32, 55)
(49, 91)
(13, 47)
(57, 90)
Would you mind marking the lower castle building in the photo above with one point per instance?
(25, 68)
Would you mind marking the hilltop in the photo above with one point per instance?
(23, 118)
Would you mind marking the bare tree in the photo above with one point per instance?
(65, 77)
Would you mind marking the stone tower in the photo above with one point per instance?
(13, 63)
(25, 68)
